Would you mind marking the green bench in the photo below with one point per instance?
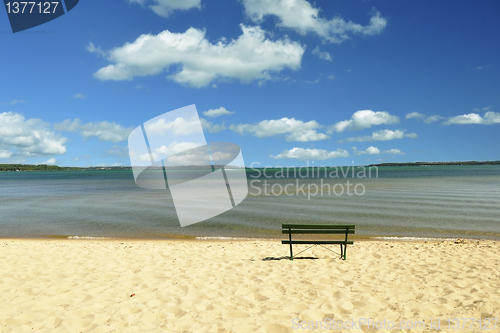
(336, 229)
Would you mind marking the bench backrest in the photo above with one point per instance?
(318, 229)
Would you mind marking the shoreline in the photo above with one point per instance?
(362, 238)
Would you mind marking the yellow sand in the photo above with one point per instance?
(242, 286)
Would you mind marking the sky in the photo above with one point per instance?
(292, 82)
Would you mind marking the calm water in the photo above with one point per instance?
(437, 201)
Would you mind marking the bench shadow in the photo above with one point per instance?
(287, 258)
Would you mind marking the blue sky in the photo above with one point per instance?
(290, 81)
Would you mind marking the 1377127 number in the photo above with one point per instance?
(27, 7)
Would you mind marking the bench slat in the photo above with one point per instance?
(336, 232)
(315, 242)
(318, 226)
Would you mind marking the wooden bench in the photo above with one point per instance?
(338, 229)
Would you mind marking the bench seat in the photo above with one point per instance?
(329, 229)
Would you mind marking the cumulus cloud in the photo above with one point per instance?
(433, 118)
(165, 7)
(174, 148)
(213, 113)
(5, 154)
(180, 126)
(421, 116)
(487, 108)
(310, 154)
(117, 150)
(393, 151)
(16, 101)
(250, 57)
(20, 137)
(211, 127)
(383, 135)
(364, 119)
(51, 161)
(489, 118)
(104, 130)
(96, 49)
(416, 115)
(322, 54)
(375, 151)
(294, 130)
(301, 16)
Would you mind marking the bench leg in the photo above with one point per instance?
(345, 245)
(341, 251)
(291, 252)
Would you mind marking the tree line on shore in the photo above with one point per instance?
(438, 163)
(45, 167)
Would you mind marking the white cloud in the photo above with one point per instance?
(302, 17)
(211, 127)
(432, 119)
(322, 54)
(104, 130)
(140, 2)
(20, 137)
(180, 126)
(213, 113)
(179, 153)
(68, 125)
(364, 119)
(295, 130)
(331, 77)
(383, 135)
(16, 101)
(420, 116)
(96, 49)
(393, 151)
(310, 154)
(250, 57)
(174, 148)
(79, 96)
(375, 151)
(370, 151)
(489, 118)
(50, 161)
(312, 82)
(165, 7)
(5, 154)
(416, 115)
(118, 151)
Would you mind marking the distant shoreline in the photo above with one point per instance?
(44, 167)
(437, 163)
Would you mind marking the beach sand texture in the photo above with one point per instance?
(241, 286)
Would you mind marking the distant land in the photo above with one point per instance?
(436, 163)
(44, 167)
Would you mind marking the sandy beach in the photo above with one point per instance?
(245, 286)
